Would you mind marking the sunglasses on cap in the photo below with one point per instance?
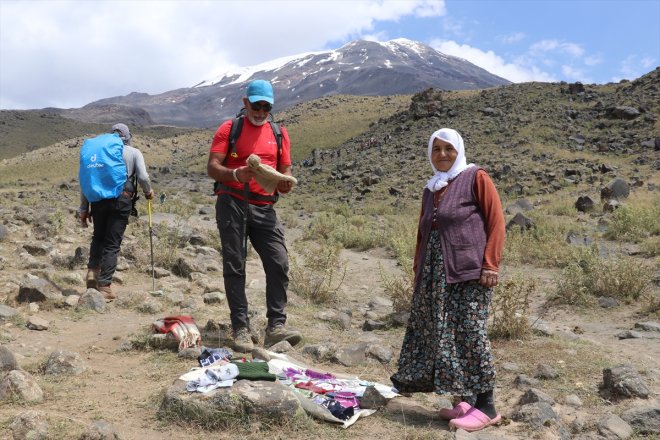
(256, 106)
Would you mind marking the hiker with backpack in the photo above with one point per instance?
(244, 209)
(460, 239)
(110, 171)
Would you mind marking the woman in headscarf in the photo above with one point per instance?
(459, 244)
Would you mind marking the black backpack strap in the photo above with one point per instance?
(234, 133)
(277, 131)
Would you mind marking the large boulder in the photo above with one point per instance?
(645, 420)
(624, 381)
(244, 403)
(20, 385)
(63, 362)
(617, 189)
(35, 289)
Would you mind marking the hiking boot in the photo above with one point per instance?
(106, 291)
(92, 278)
(243, 340)
(279, 333)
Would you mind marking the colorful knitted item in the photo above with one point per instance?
(183, 328)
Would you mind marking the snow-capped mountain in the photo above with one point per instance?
(369, 68)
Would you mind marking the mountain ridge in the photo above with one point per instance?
(363, 68)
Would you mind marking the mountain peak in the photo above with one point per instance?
(361, 67)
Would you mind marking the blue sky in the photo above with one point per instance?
(67, 53)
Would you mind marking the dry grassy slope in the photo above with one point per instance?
(324, 123)
(27, 130)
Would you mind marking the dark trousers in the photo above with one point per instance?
(110, 218)
(267, 237)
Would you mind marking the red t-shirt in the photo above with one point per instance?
(259, 140)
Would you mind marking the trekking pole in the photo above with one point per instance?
(246, 206)
(151, 244)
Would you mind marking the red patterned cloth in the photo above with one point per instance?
(183, 328)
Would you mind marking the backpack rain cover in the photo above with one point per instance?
(102, 169)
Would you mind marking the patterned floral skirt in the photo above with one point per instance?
(446, 347)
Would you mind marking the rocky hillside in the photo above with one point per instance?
(533, 138)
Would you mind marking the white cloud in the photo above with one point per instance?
(593, 60)
(572, 73)
(634, 66)
(572, 49)
(520, 71)
(67, 53)
(515, 37)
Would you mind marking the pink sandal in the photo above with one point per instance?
(474, 420)
(455, 412)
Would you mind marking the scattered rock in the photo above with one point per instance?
(36, 323)
(624, 381)
(645, 419)
(29, 425)
(585, 204)
(520, 221)
(537, 414)
(35, 289)
(19, 384)
(7, 360)
(607, 302)
(100, 430)
(534, 395)
(648, 326)
(92, 299)
(614, 428)
(7, 312)
(63, 362)
(617, 189)
(544, 371)
(246, 402)
(573, 400)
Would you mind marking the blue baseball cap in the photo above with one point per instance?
(260, 90)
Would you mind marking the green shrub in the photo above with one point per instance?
(402, 242)
(399, 288)
(592, 276)
(651, 247)
(318, 273)
(634, 224)
(358, 232)
(510, 307)
(544, 245)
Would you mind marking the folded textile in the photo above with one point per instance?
(183, 328)
(211, 355)
(254, 371)
(210, 378)
(266, 176)
(316, 375)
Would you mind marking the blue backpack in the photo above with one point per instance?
(102, 169)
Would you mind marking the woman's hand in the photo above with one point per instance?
(489, 278)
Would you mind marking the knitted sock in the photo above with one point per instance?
(486, 404)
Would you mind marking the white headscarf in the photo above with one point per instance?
(440, 179)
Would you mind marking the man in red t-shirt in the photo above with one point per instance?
(254, 218)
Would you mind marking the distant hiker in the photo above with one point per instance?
(109, 207)
(245, 209)
(459, 244)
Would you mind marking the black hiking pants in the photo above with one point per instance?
(110, 218)
(267, 237)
